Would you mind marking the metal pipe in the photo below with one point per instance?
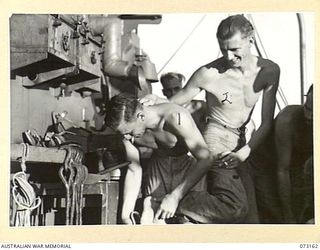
(38, 154)
(303, 64)
(111, 27)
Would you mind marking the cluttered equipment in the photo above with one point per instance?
(66, 166)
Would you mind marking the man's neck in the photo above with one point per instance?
(153, 116)
(249, 64)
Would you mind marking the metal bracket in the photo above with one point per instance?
(66, 41)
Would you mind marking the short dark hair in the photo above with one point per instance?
(121, 107)
(171, 76)
(233, 24)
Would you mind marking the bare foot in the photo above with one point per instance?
(150, 206)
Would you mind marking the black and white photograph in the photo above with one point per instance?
(182, 120)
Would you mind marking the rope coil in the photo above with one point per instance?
(23, 194)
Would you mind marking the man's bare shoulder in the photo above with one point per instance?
(209, 71)
(287, 117)
(175, 114)
(219, 65)
(268, 65)
(268, 77)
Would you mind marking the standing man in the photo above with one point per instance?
(233, 85)
(294, 146)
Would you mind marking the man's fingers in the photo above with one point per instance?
(227, 159)
(143, 101)
(233, 165)
(227, 162)
(224, 154)
(148, 103)
(162, 214)
(147, 100)
(165, 215)
(158, 213)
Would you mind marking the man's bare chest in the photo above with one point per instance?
(230, 91)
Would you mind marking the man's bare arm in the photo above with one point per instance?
(190, 90)
(199, 150)
(197, 146)
(267, 112)
(146, 140)
(184, 96)
(132, 181)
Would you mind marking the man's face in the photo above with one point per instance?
(171, 91)
(134, 128)
(235, 49)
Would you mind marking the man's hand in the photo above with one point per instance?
(232, 159)
(127, 138)
(227, 160)
(167, 207)
(151, 99)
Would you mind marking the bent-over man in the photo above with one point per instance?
(167, 122)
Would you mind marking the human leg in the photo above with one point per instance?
(224, 202)
(247, 180)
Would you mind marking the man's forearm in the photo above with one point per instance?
(182, 97)
(259, 135)
(131, 190)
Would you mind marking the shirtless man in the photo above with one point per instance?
(233, 85)
(294, 146)
(167, 166)
(171, 131)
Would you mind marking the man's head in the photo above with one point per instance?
(308, 105)
(171, 83)
(235, 35)
(125, 115)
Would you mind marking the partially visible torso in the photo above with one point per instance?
(291, 125)
(300, 134)
(167, 140)
(230, 95)
(198, 111)
(179, 149)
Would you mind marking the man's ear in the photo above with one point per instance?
(140, 116)
(251, 40)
